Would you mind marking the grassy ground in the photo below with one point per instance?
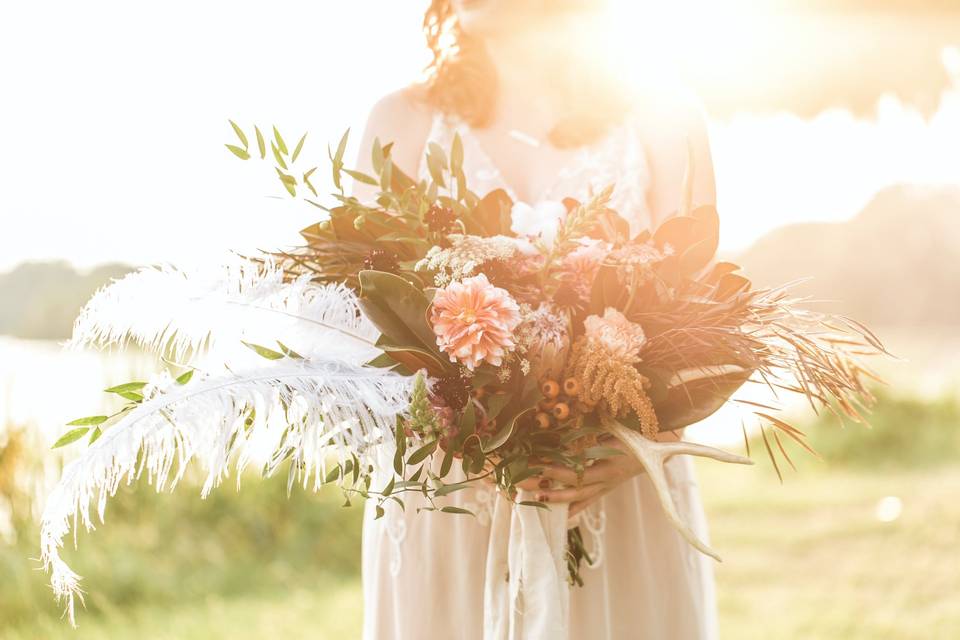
(806, 559)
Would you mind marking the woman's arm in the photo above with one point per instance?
(667, 126)
(399, 118)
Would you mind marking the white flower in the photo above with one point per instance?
(542, 220)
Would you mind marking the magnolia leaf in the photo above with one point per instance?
(399, 310)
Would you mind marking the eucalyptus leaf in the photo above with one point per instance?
(70, 436)
(240, 134)
(237, 151)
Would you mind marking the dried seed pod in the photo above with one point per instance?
(550, 389)
(543, 420)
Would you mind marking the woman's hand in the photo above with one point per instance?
(560, 484)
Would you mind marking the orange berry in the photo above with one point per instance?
(550, 389)
(547, 405)
(561, 411)
(571, 386)
(543, 420)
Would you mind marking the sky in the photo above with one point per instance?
(115, 115)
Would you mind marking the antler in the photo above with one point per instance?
(653, 454)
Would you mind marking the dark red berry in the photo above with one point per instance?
(380, 260)
(440, 219)
(454, 389)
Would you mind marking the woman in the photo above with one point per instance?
(542, 119)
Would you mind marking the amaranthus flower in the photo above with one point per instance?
(474, 321)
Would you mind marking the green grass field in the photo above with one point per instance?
(806, 559)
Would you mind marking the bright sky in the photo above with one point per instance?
(115, 114)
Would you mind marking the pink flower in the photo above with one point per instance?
(580, 266)
(474, 321)
(621, 338)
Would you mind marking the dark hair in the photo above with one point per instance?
(461, 80)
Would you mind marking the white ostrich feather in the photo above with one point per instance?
(326, 409)
(212, 308)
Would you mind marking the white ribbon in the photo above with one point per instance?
(526, 594)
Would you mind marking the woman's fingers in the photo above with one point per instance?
(570, 494)
(579, 506)
(609, 470)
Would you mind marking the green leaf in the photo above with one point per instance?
(379, 512)
(332, 475)
(386, 176)
(290, 353)
(184, 378)
(277, 156)
(421, 454)
(456, 510)
(306, 181)
(341, 148)
(447, 489)
(387, 490)
(289, 182)
(376, 156)
(399, 310)
(359, 176)
(596, 453)
(237, 151)
(269, 354)
(435, 165)
(131, 395)
(533, 503)
(127, 386)
(70, 436)
(88, 421)
(298, 148)
(240, 134)
(95, 435)
(456, 155)
(447, 462)
(280, 143)
(261, 144)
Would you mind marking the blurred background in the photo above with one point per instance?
(835, 127)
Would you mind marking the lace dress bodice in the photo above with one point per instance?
(618, 158)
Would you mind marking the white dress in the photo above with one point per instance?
(424, 574)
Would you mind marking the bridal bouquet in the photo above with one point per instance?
(448, 329)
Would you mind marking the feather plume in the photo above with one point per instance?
(211, 309)
(307, 410)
